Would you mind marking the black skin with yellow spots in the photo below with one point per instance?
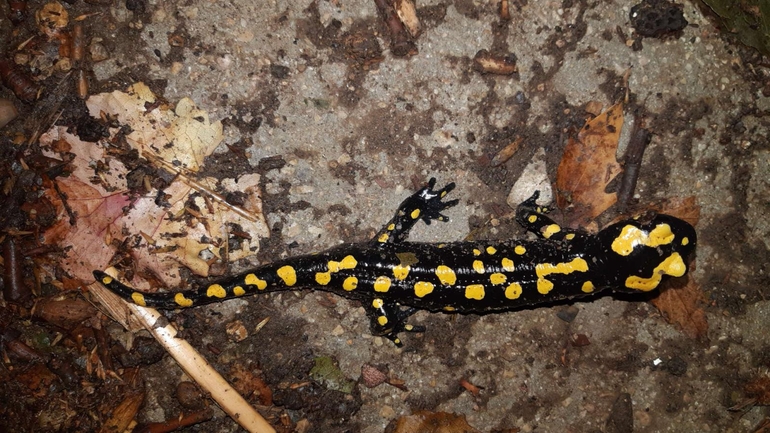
(393, 277)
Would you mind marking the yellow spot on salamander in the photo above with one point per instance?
(446, 275)
(349, 262)
(382, 284)
(588, 287)
(476, 252)
(238, 291)
(449, 309)
(408, 327)
(491, 250)
(685, 241)
(377, 303)
(253, 280)
(350, 283)
(216, 291)
(520, 250)
(106, 280)
(422, 288)
(288, 275)
(382, 320)
(631, 236)
(544, 269)
(391, 226)
(673, 265)
(182, 301)
(138, 299)
(575, 265)
(475, 291)
(661, 235)
(570, 236)
(478, 266)
(415, 214)
(497, 278)
(513, 291)
(544, 286)
(333, 266)
(400, 272)
(532, 219)
(323, 278)
(551, 230)
(383, 238)
(508, 265)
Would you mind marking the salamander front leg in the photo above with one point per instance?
(425, 204)
(388, 319)
(533, 217)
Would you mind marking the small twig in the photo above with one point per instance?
(640, 138)
(199, 186)
(401, 44)
(176, 424)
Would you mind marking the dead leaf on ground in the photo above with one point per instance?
(250, 384)
(759, 390)
(683, 306)
(685, 208)
(194, 225)
(433, 422)
(124, 413)
(188, 128)
(588, 166)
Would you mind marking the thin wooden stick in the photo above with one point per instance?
(191, 361)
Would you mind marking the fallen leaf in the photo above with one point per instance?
(433, 422)
(187, 128)
(191, 228)
(683, 306)
(588, 166)
(123, 413)
(759, 390)
(685, 208)
(247, 383)
(328, 373)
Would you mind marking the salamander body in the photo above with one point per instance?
(392, 277)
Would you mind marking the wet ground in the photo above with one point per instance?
(318, 99)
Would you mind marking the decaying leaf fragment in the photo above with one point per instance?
(193, 224)
(188, 129)
(683, 306)
(588, 166)
(432, 422)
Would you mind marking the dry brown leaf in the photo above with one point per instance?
(683, 306)
(759, 390)
(52, 18)
(188, 128)
(167, 236)
(124, 413)
(247, 383)
(685, 208)
(433, 422)
(588, 166)
(95, 209)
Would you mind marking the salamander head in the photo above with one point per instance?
(637, 254)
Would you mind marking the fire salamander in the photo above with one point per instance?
(393, 277)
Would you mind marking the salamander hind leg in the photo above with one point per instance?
(533, 217)
(388, 319)
(425, 204)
